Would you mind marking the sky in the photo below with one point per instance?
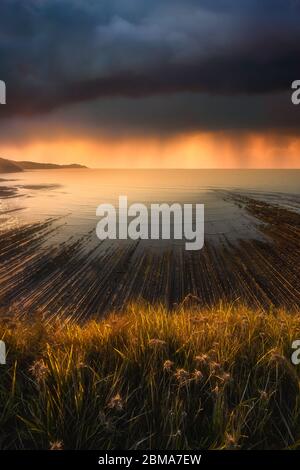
(151, 83)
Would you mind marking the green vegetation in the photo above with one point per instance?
(219, 378)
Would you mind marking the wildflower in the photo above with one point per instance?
(225, 377)
(56, 445)
(39, 370)
(168, 365)
(116, 403)
(156, 342)
(263, 395)
(182, 375)
(198, 375)
(231, 442)
(215, 366)
(202, 359)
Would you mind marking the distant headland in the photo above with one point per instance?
(11, 166)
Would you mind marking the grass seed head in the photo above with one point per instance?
(116, 403)
(168, 365)
(182, 376)
(39, 370)
(56, 445)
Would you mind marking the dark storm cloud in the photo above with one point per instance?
(60, 52)
(159, 116)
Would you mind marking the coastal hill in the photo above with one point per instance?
(10, 166)
(6, 166)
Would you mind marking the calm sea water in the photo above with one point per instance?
(75, 194)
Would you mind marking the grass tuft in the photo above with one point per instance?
(219, 378)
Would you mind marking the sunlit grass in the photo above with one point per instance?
(219, 378)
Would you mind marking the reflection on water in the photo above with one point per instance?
(53, 262)
(74, 194)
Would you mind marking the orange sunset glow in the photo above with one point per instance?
(194, 150)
